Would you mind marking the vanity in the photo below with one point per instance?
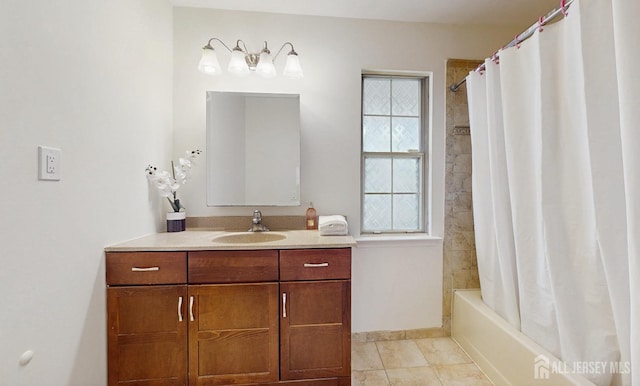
(224, 308)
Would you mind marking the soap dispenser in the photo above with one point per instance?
(311, 217)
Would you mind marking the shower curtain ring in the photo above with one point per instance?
(563, 8)
(495, 58)
(515, 39)
(540, 23)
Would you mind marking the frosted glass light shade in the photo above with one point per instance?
(237, 64)
(265, 67)
(209, 62)
(292, 69)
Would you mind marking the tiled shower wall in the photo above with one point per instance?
(460, 265)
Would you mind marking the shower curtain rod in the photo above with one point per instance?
(544, 20)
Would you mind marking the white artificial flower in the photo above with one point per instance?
(165, 183)
(181, 174)
(168, 183)
(185, 163)
(191, 155)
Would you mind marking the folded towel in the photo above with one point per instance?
(335, 225)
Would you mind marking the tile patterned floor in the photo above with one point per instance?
(414, 362)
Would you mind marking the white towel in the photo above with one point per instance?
(335, 225)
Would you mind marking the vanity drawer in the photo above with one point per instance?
(232, 266)
(126, 268)
(315, 264)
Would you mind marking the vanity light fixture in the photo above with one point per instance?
(243, 62)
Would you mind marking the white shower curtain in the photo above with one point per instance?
(556, 186)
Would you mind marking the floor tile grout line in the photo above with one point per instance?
(429, 364)
(472, 361)
(381, 361)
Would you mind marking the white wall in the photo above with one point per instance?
(403, 278)
(92, 78)
(95, 79)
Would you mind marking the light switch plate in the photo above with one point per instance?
(48, 163)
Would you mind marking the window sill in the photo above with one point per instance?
(400, 240)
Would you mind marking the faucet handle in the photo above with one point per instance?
(257, 222)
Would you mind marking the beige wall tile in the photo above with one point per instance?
(425, 333)
(358, 337)
(462, 163)
(459, 239)
(464, 259)
(462, 201)
(463, 241)
(380, 336)
(242, 223)
(466, 279)
(375, 336)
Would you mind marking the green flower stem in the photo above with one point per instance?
(175, 204)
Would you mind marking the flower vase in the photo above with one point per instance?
(176, 221)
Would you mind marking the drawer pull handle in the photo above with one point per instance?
(284, 304)
(148, 269)
(180, 309)
(318, 265)
(191, 309)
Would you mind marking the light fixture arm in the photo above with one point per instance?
(244, 45)
(221, 42)
(293, 51)
(266, 49)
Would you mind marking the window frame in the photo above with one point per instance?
(422, 153)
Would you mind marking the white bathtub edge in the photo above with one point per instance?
(501, 351)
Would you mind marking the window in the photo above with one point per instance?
(393, 153)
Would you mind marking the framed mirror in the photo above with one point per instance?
(253, 149)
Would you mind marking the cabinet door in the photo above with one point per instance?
(147, 335)
(315, 339)
(233, 334)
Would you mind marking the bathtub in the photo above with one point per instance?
(507, 356)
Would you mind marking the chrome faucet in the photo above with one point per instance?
(256, 223)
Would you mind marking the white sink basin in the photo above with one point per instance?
(249, 237)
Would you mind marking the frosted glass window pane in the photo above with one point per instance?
(405, 97)
(375, 96)
(406, 212)
(376, 133)
(406, 175)
(377, 175)
(406, 134)
(377, 212)
(393, 153)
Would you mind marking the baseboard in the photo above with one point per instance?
(377, 336)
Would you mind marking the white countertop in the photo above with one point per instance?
(193, 240)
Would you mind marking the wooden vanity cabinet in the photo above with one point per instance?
(234, 335)
(146, 323)
(234, 330)
(230, 317)
(315, 322)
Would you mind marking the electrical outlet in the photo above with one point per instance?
(51, 163)
(48, 163)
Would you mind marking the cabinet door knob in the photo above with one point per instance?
(191, 309)
(180, 309)
(284, 304)
(315, 265)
